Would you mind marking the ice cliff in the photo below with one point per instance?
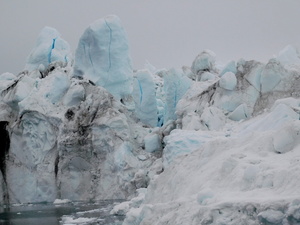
(201, 145)
(67, 135)
(102, 56)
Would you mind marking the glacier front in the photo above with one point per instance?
(207, 144)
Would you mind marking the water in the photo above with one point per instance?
(70, 213)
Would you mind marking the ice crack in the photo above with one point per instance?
(141, 91)
(52, 47)
(109, 45)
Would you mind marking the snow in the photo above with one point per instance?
(74, 95)
(271, 216)
(204, 196)
(102, 56)
(182, 142)
(66, 220)
(212, 118)
(152, 142)
(288, 138)
(196, 146)
(230, 161)
(123, 208)
(61, 201)
(7, 76)
(224, 173)
(240, 113)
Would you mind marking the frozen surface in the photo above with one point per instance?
(69, 138)
(240, 174)
(102, 56)
(61, 201)
(50, 47)
(145, 98)
(197, 146)
(228, 81)
(229, 67)
(289, 55)
(175, 86)
(233, 158)
(205, 61)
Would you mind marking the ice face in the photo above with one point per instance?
(102, 56)
(289, 55)
(240, 113)
(221, 139)
(32, 148)
(22, 89)
(145, 98)
(46, 92)
(230, 67)
(228, 81)
(70, 138)
(205, 61)
(175, 86)
(74, 95)
(50, 47)
(181, 142)
(96, 148)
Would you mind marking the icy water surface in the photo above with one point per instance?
(70, 213)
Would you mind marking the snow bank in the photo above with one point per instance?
(233, 157)
(234, 179)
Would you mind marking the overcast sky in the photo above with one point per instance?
(167, 33)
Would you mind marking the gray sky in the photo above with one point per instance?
(167, 33)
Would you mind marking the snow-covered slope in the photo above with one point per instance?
(245, 174)
(205, 145)
(234, 157)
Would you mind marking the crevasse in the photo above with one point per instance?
(141, 91)
(52, 47)
(110, 37)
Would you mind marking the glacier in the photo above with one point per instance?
(144, 98)
(102, 56)
(68, 134)
(207, 144)
(50, 47)
(232, 157)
